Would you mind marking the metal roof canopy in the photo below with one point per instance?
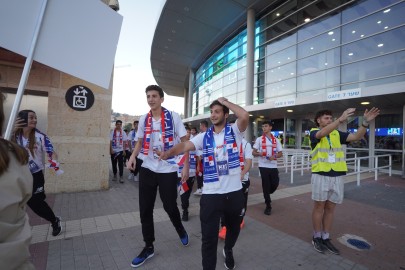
(188, 31)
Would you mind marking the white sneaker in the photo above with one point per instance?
(198, 192)
(130, 176)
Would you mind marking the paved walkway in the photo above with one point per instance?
(101, 230)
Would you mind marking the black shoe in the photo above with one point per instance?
(267, 211)
(229, 261)
(318, 244)
(56, 227)
(184, 217)
(329, 246)
(145, 254)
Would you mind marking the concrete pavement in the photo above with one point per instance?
(102, 229)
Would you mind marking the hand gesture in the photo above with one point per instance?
(19, 123)
(346, 114)
(369, 115)
(131, 163)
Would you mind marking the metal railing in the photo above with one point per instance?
(300, 160)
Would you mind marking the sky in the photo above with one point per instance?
(132, 72)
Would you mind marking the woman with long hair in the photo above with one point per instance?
(15, 191)
(37, 145)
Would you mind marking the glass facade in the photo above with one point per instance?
(306, 48)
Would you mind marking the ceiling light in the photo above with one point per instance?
(250, 114)
(387, 10)
(386, 27)
(312, 48)
(289, 110)
(350, 54)
(379, 22)
(353, 31)
(333, 39)
(307, 20)
(361, 35)
(278, 14)
(380, 45)
(330, 33)
(365, 103)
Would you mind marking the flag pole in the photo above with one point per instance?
(25, 73)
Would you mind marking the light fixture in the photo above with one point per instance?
(350, 54)
(289, 110)
(380, 45)
(365, 103)
(379, 22)
(361, 35)
(330, 33)
(278, 14)
(250, 115)
(307, 20)
(353, 31)
(387, 10)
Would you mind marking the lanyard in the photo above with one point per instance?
(330, 143)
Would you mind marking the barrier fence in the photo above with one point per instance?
(300, 160)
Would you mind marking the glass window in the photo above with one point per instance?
(378, 22)
(362, 8)
(318, 44)
(283, 88)
(281, 73)
(281, 57)
(319, 62)
(318, 80)
(375, 45)
(386, 65)
(318, 27)
(282, 43)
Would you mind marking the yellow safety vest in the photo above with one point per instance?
(321, 152)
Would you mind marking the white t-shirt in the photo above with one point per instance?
(247, 154)
(227, 183)
(119, 145)
(150, 161)
(132, 138)
(263, 161)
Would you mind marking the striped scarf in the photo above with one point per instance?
(117, 141)
(210, 164)
(273, 146)
(167, 129)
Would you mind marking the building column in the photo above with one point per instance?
(190, 93)
(250, 56)
(250, 61)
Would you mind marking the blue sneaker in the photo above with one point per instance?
(184, 239)
(146, 253)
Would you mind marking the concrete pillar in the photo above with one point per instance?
(190, 93)
(250, 56)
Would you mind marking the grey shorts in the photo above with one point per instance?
(325, 188)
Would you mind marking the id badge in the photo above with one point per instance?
(222, 167)
(331, 158)
(33, 166)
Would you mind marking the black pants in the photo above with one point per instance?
(185, 197)
(137, 166)
(245, 190)
(37, 202)
(117, 158)
(149, 182)
(200, 181)
(212, 206)
(270, 181)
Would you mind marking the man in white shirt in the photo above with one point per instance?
(118, 142)
(268, 148)
(222, 194)
(158, 130)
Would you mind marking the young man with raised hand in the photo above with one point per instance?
(157, 131)
(328, 166)
(222, 193)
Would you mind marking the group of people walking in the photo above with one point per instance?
(168, 157)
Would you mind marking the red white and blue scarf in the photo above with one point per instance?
(210, 164)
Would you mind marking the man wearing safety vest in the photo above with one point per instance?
(328, 167)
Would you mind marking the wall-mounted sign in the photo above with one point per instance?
(344, 94)
(79, 98)
(284, 103)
